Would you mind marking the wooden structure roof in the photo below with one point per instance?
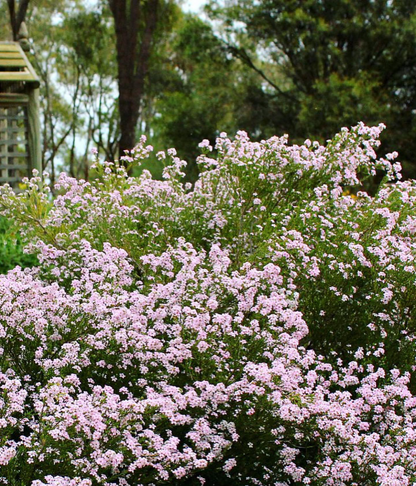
(15, 66)
(20, 149)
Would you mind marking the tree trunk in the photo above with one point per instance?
(16, 19)
(135, 23)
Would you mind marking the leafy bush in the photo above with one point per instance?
(11, 249)
(257, 328)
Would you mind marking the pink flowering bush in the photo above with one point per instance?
(255, 329)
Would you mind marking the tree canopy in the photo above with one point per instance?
(331, 62)
(113, 70)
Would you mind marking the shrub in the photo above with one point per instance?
(11, 249)
(257, 328)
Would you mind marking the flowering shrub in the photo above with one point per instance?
(255, 329)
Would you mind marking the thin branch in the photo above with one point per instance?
(243, 56)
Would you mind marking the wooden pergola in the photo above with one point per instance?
(20, 150)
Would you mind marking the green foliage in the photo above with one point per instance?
(75, 57)
(197, 88)
(11, 248)
(276, 66)
(330, 62)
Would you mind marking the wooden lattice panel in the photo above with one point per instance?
(14, 157)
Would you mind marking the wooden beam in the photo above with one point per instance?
(9, 47)
(10, 155)
(13, 142)
(16, 167)
(34, 131)
(13, 62)
(12, 130)
(16, 76)
(10, 55)
(9, 180)
(14, 118)
(13, 99)
(30, 68)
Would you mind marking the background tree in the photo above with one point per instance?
(330, 63)
(60, 80)
(95, 62)
(195, 90)
(201, 90)
(78, 82)
(113, 70)
(135, 24)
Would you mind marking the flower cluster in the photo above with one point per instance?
(256, 329)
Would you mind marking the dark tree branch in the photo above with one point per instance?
(16, 20)
(241, 54)
(12, 12)
(21, 14)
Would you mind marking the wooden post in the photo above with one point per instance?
(34, 131)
